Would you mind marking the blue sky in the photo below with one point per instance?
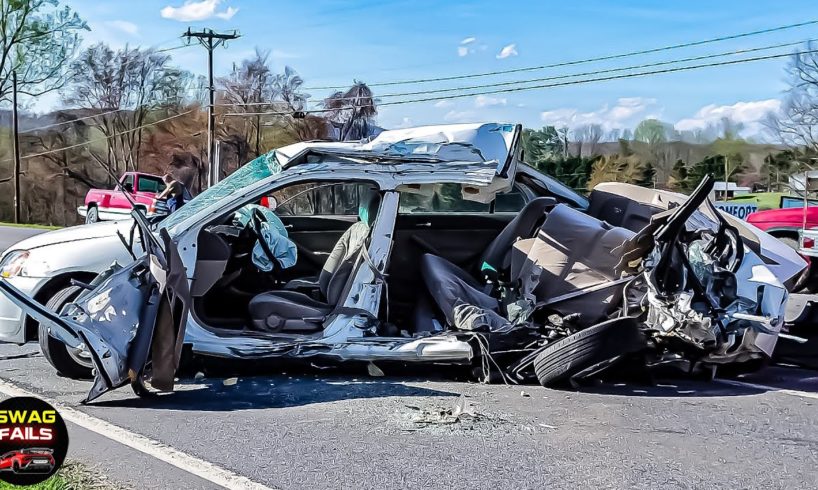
(332, 42)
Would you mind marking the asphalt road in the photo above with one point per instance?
(9, 235)
(321, 429)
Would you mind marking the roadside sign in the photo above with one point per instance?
(740, 211)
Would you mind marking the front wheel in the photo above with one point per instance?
(91, 215)
(70, 362)
(588, 351)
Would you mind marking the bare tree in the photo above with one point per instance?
(353, 110)
(614, 134)
(251, 88)
(590, 135)
(38, 37)
(797, 122)
(124, 87)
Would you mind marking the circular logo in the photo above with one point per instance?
(33, 441)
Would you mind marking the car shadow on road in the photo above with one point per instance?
(674, 388)
(280, 391)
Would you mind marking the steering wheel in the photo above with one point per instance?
(258, 219)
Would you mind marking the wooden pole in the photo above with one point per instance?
(16, 141)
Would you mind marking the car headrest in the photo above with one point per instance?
(368, 207)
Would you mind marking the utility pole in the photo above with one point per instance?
(16, 142)
(210, 40)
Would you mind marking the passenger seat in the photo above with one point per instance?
(291, 311)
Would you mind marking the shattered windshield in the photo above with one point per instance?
(262, 167)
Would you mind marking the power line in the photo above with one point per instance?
(602, 79)
(98, 140)
(557, 77)
(47, 126)
(538, 87)
(581, 61)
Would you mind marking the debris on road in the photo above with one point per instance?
(461, 411)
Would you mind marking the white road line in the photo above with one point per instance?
(744, 384)
(191, 464)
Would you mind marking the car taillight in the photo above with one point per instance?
(808, 243)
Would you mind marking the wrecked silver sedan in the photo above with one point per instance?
(435, 245)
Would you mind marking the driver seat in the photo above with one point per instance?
(292, 311)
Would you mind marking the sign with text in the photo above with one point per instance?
(739, 210)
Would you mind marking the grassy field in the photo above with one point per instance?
(24, 225)
(72, 476)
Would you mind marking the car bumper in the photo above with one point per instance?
(12, 318)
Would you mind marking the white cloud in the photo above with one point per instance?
(124, 26)
(460, 116)
(444, 103)
(406, 122)
(510, 50)
(485, 101)
(627, 112)
(465, 47)
(193, 11)
(750, 114)
(227, 14)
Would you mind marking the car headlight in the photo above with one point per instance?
(13, 263)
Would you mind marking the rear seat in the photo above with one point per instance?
(572, 251)
(619, 211)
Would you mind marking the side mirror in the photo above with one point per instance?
(128, 187)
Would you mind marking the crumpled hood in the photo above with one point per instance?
(102, 229)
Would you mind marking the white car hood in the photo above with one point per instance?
(102, 229)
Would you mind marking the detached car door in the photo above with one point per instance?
(131, 318)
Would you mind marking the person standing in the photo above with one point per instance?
(174, 192)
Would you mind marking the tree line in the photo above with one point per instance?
(133, 109)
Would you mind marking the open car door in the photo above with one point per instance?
(132, 321)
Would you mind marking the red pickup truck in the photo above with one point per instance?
(785, 224)
(104, 204)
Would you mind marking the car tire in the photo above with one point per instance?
(64, 359)
(91, 215)
(588, 350)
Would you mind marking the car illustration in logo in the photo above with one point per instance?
(28, 460)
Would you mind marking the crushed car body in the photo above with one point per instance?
(438, 245)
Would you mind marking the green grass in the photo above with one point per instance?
(764, 200)
(26, 225)
(72, 476)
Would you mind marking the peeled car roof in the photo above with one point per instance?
(474, 143)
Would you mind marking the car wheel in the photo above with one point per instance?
(70, 362)
(91, 215)
(589, 350)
